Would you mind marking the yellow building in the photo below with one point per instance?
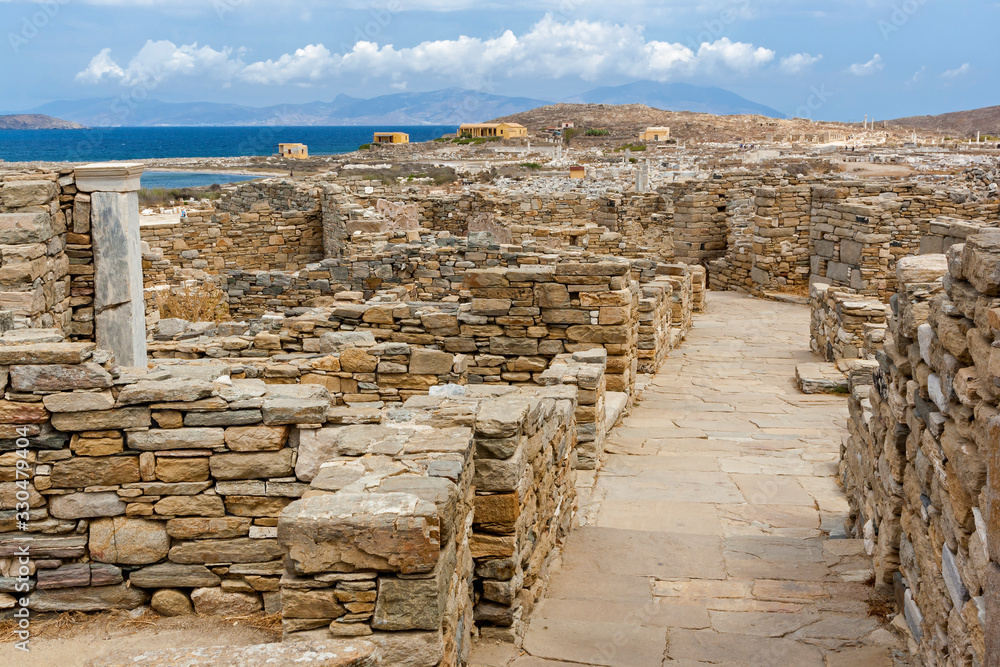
(487, 130)
(655, 134)
(578, 171)
(294, 151)
(391, 138)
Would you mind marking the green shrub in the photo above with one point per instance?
(531, 165)
(597, 133)
(364, 147)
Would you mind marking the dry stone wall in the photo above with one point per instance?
(919, 463)
(179, 486)
(45, 252)
(840, 321)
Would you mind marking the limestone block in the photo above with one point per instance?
(217, 602)
(165, 391)
(127, 541)
(256, 438)
(257, 465)
(86, 505)
(430, 362)
(345, 532)
(102, 420)
(84, 471)
(21, 228)
(59, 377)
(238, 550)
(176, 438)
(174, 575)
(89, 599)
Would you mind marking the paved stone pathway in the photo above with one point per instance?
(714, 532)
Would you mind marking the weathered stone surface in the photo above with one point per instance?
(282, 410)
(67, 576)
(45, 353)
(311, 604)
(204, 506)
(99, 598)
(21, 228)
(501, 418)
(310, 653)
(86, 505)
(169, 602)
(256, 438)
(59, 377)
(174, 575)
(79, 401)
(409, 649)
(256, 506)
(42, 546)
(119, 322)
(409, 604)
(224, 418)
(356, 360)
(259, 465)
(216, 602)
(127, 541)
(102, 421)
(182, 469)
(177, 438)
(316, 447)
(239, 550)
(23, 413)
(344, 532)
(214, 527)
(84, 471)
(9, 492)
(430, 362)
(171, 390)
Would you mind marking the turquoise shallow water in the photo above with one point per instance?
(177, 179)
(135, 143)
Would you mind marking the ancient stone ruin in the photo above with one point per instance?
(384, 441)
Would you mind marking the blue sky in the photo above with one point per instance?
(836, 59)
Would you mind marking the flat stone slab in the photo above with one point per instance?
(820, 379)
(345, 653)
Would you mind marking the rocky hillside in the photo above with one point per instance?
(629, 119)
(960, 124)
(36, 122)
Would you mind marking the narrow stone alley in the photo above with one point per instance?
(714, 532)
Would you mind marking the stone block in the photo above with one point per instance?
(127, 541)
(347, 532)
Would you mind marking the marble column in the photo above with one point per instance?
(119, 306)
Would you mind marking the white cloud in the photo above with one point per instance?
(798, 62)
(957, 72)
(550, 49)
(157, 61)
(876, 64)
(101, 66)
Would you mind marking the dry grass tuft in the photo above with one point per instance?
(195, 303)
(881, 607)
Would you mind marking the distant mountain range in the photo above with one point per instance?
(677, 97)
(36, 122)
(962, 124)
(450, 106)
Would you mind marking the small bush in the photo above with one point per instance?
(194, 303)
(150, 197)
(364, 147)
(597, 133)
(531, 165)
(635, 148)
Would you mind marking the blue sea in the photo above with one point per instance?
(135, 143)
(183, 179)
